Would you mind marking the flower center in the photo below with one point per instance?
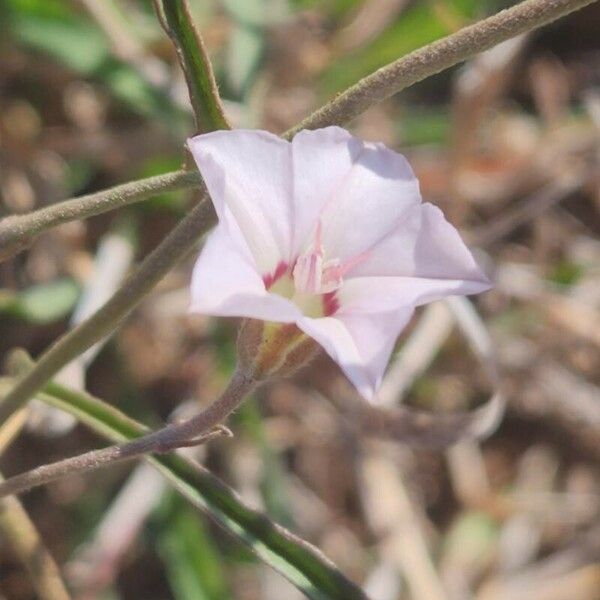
(313, 274)
(313, 281)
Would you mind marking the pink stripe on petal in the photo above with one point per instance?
(270, 278)
(330, 303)
(353, 261)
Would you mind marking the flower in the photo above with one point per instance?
(327, 232)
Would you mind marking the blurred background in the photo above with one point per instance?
(507, 145)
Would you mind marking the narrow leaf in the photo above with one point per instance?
(193, 563)
(41, 304)
(302, 564)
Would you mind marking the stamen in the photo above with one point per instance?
(332, 276)
(313, 275)
(308, 270)
(308, 273)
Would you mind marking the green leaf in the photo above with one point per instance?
(472, 539)
(272, 484)
(420, 126)
(76, 44)
(41, 304)
(192, 561)
(244, 54)
(302, 564)
(417, 26)
(55, 29)
(566, 273)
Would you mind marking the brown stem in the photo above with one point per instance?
(372, 89)
(177, 21)
(18, 231)
(436, 57)
(156, 265)
(23, 538)
(21, 535)
(191, 432)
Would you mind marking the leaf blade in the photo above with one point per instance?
(302, 564)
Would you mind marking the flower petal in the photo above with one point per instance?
(322, 159)
(423, 244)
(248, 175)
(369, 202)
(423, 260)
(360, 344)
(226, 283)
(364, 295)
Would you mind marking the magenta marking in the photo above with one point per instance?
(270, 278)
(330, 303)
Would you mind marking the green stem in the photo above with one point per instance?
(305, 566)
(436, 57)
(17, 231)
(191, 432)
(179, 25)
(416, 66)
(155, 266)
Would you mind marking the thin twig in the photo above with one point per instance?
(304, 565)
(416, 66)
(436, 57)
(18, 231)
(417, 353)
(23, 538)
(368, 91)
(11, 428)
(393, 516)
(155, 266)
(533, 206)
(193, 431)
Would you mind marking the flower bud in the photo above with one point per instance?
(267, 349)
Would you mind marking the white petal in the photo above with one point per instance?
(369, 202)
(423, 260)
(322, 159)
(364, 295)
(360, 344)
(248, 175)
(225, 282)
(423, 245)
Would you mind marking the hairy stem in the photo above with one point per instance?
(191, 432)
(436, 57)
(174, 247)
(17, 231)
(416, 66)
(178, 23)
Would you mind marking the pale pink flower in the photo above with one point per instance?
(327, 232)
